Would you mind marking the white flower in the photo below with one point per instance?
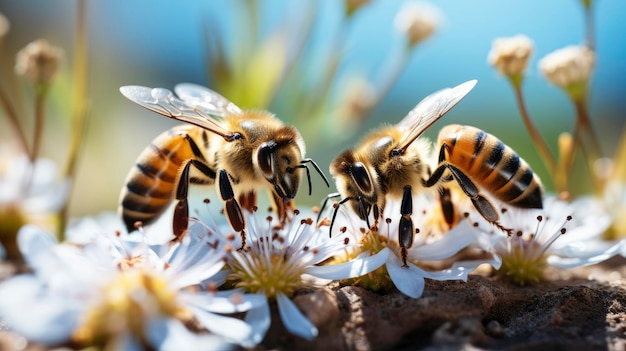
(29, 193)
(122, 295)
(277, 261)
(417, 20)
(562, 234)
(405, 269)
(510, 55)
(568, 66)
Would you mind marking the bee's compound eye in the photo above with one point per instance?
(361, 177)
(264, 159)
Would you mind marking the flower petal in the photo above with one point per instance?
(170, 334)
(409, 280)
(599, 254)
(259, 320)
(351, 269)
(35, 315)
(224, 303)
(295, 322)
(32, 242)
(449, 244)
(234, 330)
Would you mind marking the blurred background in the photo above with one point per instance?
(306, 61)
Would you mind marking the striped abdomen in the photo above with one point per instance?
(151, 183)
(492, 165)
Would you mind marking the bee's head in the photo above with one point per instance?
(279, 161)
(357, 181)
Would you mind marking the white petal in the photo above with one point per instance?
(26, 308)
(587, 258)
(295, 322)
(409, 280)
(259, 319)
(449, 244)
(223, 303)
(234, 330)
(170, 334)
(355, 268)
(32, 242)
(459, 272)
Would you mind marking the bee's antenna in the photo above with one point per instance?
(332, 221)
(317, 168)
(324, 203)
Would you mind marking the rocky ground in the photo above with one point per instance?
(579, 309)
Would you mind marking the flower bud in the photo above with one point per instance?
(38, 61)
(510, 55)
(4, 26)
(353, 5)
(418, 20)
(569, 66)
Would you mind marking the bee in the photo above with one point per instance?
(238, 151)
(391, 162)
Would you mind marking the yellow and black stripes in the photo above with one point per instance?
(151, 184)
(491, 164)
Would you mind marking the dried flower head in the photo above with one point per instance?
(353, 5)
(510, 55)
(568, 67)
(4, 26)
(38, 61)
(418, 20)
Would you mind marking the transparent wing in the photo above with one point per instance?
(205, 99)
(429, 110)
(164, 102)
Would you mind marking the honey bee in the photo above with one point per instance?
(391, 162)
(238, 151)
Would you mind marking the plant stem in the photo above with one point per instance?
(41, 92)
(79, 105)
(12, 116)
(540, 144)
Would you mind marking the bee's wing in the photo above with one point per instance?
(209, 101)
(164, 102)
(429, 110)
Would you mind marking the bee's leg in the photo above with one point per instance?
(447, 207)
(248, 201)
(484, 207)
(405, 227)
(180, 221)
(231, 207)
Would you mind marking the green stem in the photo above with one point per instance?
(79, 105)
(540, 143)
(12, 116)
(590, 27)
(585, 136)
(41, 92)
